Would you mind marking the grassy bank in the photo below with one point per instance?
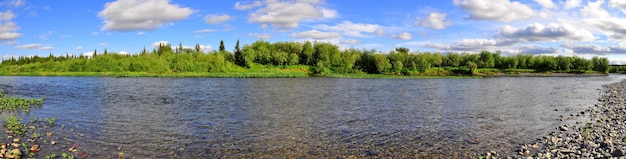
(302, 71)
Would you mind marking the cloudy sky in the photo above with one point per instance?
(582, 28)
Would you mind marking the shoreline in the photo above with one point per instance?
(602, 136)
(279, 74)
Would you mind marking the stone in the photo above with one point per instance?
(53, 142)
(563, 128)
(16, 140)
(535, 146)
(15, 145)
(34, 148)
(618, 153)
(14, 154)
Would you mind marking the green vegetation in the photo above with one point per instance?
(26, 138)
(618, 69)
(8, 103)
(294, 59)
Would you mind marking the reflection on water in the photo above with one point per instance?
(313, 117)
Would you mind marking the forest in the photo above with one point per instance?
(314, 58)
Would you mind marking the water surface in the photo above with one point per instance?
(304, 117)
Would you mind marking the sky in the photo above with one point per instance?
(583, 28)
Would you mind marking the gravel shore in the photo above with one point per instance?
(602, 135)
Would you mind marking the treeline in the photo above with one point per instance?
(322, 58)
(618, 69)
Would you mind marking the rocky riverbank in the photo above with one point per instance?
(603, 135)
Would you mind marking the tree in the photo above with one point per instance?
(95, 52)
(472, 67)
(307, 54)
(105, 51)
(222, 48)
(197, 48)
(239, 59)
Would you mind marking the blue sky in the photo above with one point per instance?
(582, 28)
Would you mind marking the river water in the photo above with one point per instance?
(305, 117)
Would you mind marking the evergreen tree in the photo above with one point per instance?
(239, 60)
(222, 48)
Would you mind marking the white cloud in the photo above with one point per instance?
(380, 32)
(159, 43)
(434, 21)
(569, 4)
(352, 29)
(260, 36)
(206, 31)
(216, 19)
(103, 44)
(7, 27)
(130, 15)
(595, 9)
(587, 48)
(403, 36)
(621, 4)
(539, 32)
(614, 28)
(239, 6)
(78, 48)
(470, 45)
(546, 4)
(500, 10)
(537, 49)
(34, 46)
(351, 41)
(287, 14)
(94, 33)
(315, 34)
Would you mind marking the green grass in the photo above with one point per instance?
(255, 72)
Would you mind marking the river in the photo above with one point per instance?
(304, 117)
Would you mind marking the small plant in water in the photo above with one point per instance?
(15, 125)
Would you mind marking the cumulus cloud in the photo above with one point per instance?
(595, 9)
(216, 19)
(316, 34)
(352, 29)
(536, 49)
(587, 48)
(500, 10)
(467, 45)
(131, 15)
(7, 27)
(260, 36)
(403, 36)
(546, 4)
(621, 4)
(539, 32)
(351, 41)
(288, 14)
(380, 32)
(34, 46)
(239, 6)
(569, 4)
(78, 48)
(614, 28)
(434, 21)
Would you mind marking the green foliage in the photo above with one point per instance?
(322, 58)
(14, 124)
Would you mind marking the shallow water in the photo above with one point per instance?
(312, 117)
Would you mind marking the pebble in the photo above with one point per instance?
(604, 137)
